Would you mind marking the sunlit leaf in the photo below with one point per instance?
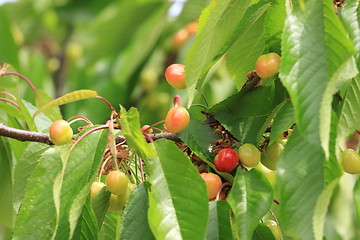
(219, 226)
(282, 121)
(68, 98)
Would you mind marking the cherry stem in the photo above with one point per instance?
(141, 170)
(199, 105)
(107, 102)
(206, 101)
(79, 118)
(10, 101)
(277, 222)
(252, 82)
(148, 138)
(154, 124)
(26, 80)
(220, 189)
(112, 146)
(177, 101)
(9, 94)
(102, 168)
(276, 202)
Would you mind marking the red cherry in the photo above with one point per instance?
(175, 75)
(226, 160)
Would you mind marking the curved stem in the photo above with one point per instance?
(9, 94)
(102, 168)
(26, 80)
(79, 117)
(10, 101)
(277, 222)
(199, 105)
(107, 102)
(206, 101)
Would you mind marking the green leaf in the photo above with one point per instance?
(176, 210)
(24, 168)
(52, 113)
(8, 48)
(7, 215)
(37, 216)
(218, 27)
(321, 209)
(274, 24)
(74, 183)
(134, 223)
(350, 15)
(111, 226)
(250, 199)
(282, 121)
(87, 225)
(242, 55)
(219, 226)
(100, 205)
(357, 198)
(262, 232)
(198, 136)
(243, 116)
(315, 49)
(68, 98)
(131, 129)
(349, 120)
(300, 181)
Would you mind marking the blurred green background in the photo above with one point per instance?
(118, 48)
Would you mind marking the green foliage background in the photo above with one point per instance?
(120, 49)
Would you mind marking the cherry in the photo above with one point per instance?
(180, 38)
(350, 161)
(114, 203)
(147, 129)
(273, 227)
(177, 119)
(60, 132)
(271, 155)
(267, 65)
(117, 183)
(95, 188)
(213, 184)
(175, 75)
(226, 160)
(249, 155)
(125, 197)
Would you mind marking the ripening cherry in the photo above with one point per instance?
(249, 155)
(267, 65)
(147, 129)
(226, 160)
(213, 183)
(270, 156)
(95, 188)
(117, 182)
(175, 75)
(177, 119)
(350, 161)
(114, 203)
(273, 227)
(60, 132)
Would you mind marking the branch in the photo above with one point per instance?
(24, 135)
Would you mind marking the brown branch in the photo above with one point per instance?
(24, 135)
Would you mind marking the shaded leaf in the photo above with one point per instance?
(274, 24)
(87, 225)
(250, 199)
(100, 205)
(282, 121)
(218, 27)
(8, 48)
(262, 232)
(249, 45)
(134, 223)
(111, 225)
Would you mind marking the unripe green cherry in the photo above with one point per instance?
(117, 182)
(213, 183)
(60, 132)
(273, 227)
(175, 76)
(267, 65)
(270, 156)
(177, 119)
(95, 188)
(350, 161)
(249, 155)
